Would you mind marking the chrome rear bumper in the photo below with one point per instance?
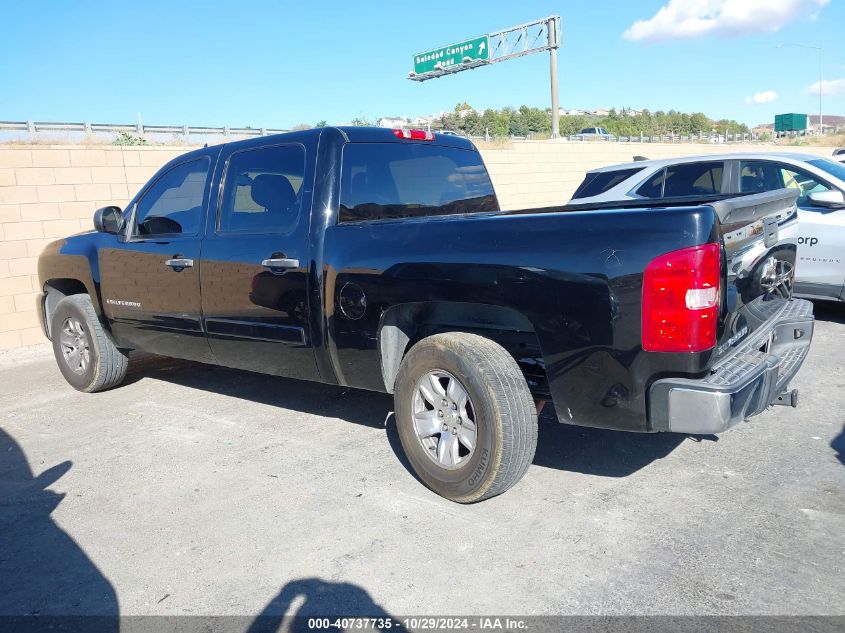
(742, 385)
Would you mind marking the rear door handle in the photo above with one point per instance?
(179, 263)
(280, 262)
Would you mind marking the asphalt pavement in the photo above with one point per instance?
(195, 489)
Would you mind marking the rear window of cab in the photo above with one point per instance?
(397, 180)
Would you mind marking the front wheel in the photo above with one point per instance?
(85, 353)
(465, 416)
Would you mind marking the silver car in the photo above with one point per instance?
(820, 182)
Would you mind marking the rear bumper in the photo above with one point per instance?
(740, 386)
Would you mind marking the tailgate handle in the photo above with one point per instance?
(280, 262)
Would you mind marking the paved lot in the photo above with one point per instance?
(201, 490)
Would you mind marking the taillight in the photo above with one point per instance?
(681, 300)
(415, 135)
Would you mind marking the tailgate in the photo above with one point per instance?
(759, 263)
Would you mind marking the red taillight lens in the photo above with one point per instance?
(415, 135)
(681, 300)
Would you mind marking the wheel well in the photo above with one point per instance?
(55, 290)
(403, 325)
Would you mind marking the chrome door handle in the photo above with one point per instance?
(179, 263)
(280, 262)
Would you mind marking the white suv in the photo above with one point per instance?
(820, 182)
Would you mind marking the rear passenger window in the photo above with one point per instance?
(603, 181)
(398, 180)
(262, 191)
(693, 179)
(756, 176)
(687, 179)
(653, 187)
(174, 203)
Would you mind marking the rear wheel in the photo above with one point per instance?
(85, 353)
(465, 416)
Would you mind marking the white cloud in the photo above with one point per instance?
(767, 96)
(686, 19)
(829, 87)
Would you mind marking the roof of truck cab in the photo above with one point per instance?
(351, 133)
(678, 160)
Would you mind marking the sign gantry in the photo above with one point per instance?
(525, 39)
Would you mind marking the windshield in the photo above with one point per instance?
(831, 167)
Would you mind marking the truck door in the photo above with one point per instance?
(150, 282)
(255, 263)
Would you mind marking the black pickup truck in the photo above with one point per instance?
(380, 259)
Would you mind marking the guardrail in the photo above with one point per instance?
(33, 127)
(667, 138)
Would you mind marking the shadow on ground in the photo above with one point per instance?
(48, 582)
(43, 571)
(838, 445)
(562, 447)
(599, 451)
(321, 599)
(831, 311)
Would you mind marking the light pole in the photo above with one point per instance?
(819, 49)
(552, 26)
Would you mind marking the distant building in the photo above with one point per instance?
(832, 123)
(393, 122)
(422, 121)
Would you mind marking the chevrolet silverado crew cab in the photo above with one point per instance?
(379, 259)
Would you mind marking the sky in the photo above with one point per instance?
(278, 63)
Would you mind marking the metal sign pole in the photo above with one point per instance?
(553, 44)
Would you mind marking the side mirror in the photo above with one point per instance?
(108, 220)
(833, 199)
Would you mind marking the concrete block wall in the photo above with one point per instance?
(50, 191)
(546, 173)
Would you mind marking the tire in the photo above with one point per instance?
(499, 406)
(97, 364)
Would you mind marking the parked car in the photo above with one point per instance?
(596, 133)
(379, 259)
(839, 151)
(820, 182)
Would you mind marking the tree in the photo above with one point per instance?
(321, 123)
(526, 121)
(517, 126)
(536, 120)
(699, 123)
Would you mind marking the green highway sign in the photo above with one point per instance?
(474, 50)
